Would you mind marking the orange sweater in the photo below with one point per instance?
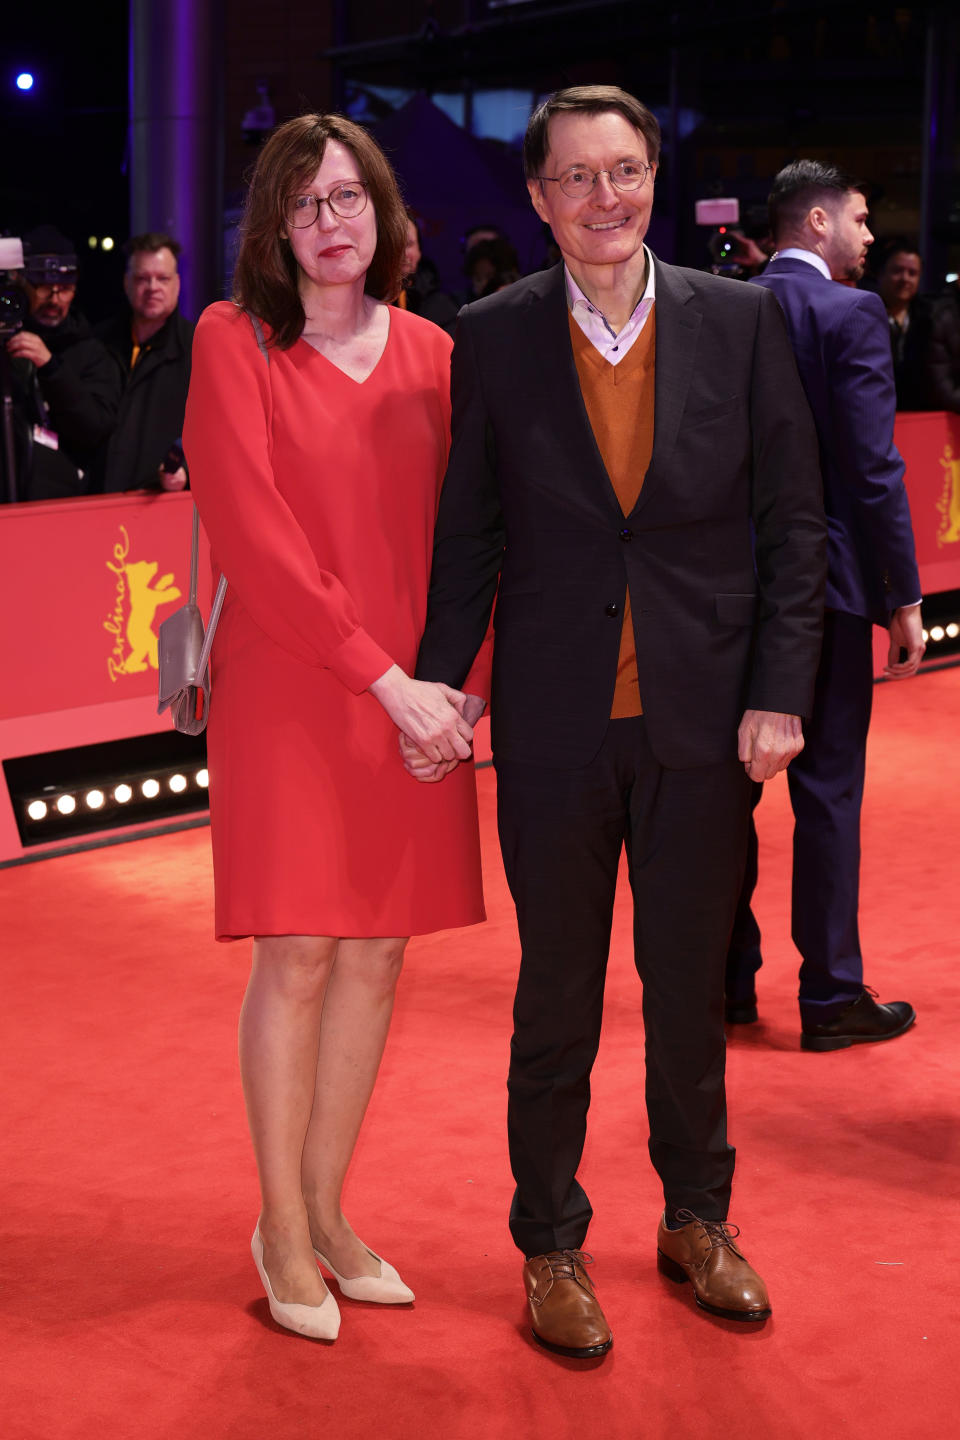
(619, 404)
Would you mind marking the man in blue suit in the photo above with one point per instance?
(818, 220)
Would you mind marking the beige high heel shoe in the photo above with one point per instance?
(319, 1322)
(384, 1289)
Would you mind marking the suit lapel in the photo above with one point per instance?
(584, 474)
(678, 331)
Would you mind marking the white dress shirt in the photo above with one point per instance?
(793, 252)
(612, 345)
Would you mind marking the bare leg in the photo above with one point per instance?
(280, 1026)
(356, 1017)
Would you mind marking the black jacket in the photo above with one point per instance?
(151, 410)
(943, 353)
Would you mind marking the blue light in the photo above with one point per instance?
(25, 81)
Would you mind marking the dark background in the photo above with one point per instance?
(749, 84)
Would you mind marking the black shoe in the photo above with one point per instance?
(741, 1012)
(861, 1023)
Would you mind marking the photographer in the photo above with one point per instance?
(64, 393)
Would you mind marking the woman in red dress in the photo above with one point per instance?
(316, 435)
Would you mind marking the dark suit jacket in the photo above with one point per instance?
(153, 404)
(841, 340)
(527, 497)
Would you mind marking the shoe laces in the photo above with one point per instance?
(718, 1232)
(563, 1263)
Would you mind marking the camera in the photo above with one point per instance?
(14, 305)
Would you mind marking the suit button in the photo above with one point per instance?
(626, 534)
(613, 609)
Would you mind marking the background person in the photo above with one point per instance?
(67, 389)
(818, 218)
(150, 344)
(316, 469)
(942, 353)
(898, 270)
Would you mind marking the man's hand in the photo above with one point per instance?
(428, 772)
(906, 633)
(27, 346)
(428, 713)
(173, 479)
(767, 741)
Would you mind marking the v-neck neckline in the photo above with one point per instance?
(370, 374)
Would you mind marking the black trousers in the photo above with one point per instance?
(561, 833)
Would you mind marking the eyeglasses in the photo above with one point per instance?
(347, 199)
(577, 181)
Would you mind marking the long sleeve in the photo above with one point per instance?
(864, 411)
(468, 542)
(255, 537)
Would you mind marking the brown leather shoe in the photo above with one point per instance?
(703, 1252)
(564, 1310)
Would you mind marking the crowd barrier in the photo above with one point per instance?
(84, 585)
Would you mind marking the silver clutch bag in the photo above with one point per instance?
(184, 653)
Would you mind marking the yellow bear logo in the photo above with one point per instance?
(136, 602)
(949, 502)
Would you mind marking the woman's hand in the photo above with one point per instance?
(427, 712)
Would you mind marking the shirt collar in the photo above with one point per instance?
(793, 252)
(576, 298)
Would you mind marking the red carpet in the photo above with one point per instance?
(129, 1304)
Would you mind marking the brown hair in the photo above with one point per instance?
(149, 243)
(589, 100)
(798, 187)
(266, 274)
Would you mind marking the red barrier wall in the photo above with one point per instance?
(85, 583)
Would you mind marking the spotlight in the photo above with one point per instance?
(106, 243)
(937, 632)
(66, 804)
(953, 630)
(122, 794)
(150, 789)
(92, 242)
(203, 779)
(178, 783)
(94, 799)
(37, 809)
(25, 80)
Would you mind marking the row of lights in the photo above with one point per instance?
(105, 242)
(122, 794)
(936, 633)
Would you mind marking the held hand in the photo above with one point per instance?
(173, 479)
(906, 633)
(767, 741)
(419, 767)
(473, 708)
(27, 346)
(427, 712)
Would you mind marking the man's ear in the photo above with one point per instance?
(535, 191)
(818, 220)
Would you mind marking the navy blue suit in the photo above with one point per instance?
(842, 347)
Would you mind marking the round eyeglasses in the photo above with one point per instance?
(577, 181)
(347, 199)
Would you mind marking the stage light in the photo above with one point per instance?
(937, 632)
(178, 783)
(92, 242)
(25, 80)
(37, 809)
(150, 789)
(106, 243)
(203, 779)
(122, 794)
(66, 804)
(94, 799)
(953, 630)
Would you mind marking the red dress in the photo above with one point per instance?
(319, 496)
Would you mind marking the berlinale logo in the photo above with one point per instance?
(948, 505)
(136, 602)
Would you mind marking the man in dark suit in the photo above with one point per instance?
(618, 424)
(818, 219)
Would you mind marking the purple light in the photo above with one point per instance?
(25, 81)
